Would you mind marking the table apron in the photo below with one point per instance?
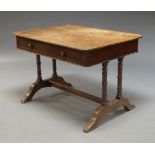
(83, 58)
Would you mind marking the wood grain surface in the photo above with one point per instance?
(78, 37)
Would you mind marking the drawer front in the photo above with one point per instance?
(49, 50)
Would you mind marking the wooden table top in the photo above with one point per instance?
(78, 37)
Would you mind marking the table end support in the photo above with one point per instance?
(101, 111)
(40, 83)
(108, 107)
(36, 86)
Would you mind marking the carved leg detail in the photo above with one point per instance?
(104, 79)
(119, 79)
(102, 110)
(119, 82)
(33, 89)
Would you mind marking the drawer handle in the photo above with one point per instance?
(30, 45)
(62, 53)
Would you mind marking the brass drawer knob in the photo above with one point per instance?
(62, 53)
(30, 45)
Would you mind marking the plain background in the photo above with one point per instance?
(57, 116)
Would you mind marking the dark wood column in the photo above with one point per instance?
(39, 76)
(119, 78)
(104, 79)
(54, 68)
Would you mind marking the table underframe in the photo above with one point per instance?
(105, 106)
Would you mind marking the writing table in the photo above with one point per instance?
(85, 46)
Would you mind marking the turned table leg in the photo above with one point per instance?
(54, 69)
(39, 76)
(104, 79)
(40, 83)
(119, 95)
(119, 78)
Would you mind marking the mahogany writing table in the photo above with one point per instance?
(83, 46)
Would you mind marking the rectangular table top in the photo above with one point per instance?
(78, 37)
